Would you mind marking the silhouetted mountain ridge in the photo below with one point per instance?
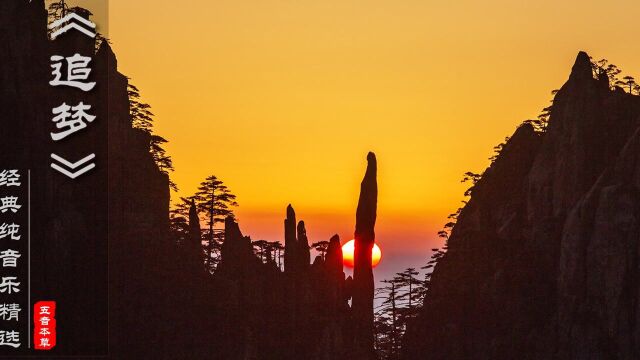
(543, 260)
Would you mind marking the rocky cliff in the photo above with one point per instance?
(543, 260)
(98, 240)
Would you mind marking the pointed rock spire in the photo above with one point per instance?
(363, 287)
(290, 240)
(194, 221)
(232, 231)
(333, 259)
(367, 204)
(335, 274)
(236, 253)
(582, 69)
(193, 247)
(105, 52)
(304, 253)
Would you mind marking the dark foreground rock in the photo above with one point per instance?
(543, 261)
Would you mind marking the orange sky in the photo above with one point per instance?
(282, 99)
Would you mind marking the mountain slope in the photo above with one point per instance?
(542, 262)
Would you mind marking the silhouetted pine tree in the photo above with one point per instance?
(278, 252)
(383, 340)
(387, 319)
(540, 123)
(472, 178)
(142, 119)
(401, 300)
(409, 283)
(261, 248)
(627, 82)
(214, 201)
(603, 67)
(321, 247)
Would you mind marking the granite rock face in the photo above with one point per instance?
(598, 285)
(542, 263)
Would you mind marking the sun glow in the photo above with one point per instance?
(348, 251)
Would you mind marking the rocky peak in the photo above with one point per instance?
(367, 204)
(194, 222)
(543, 258)
(333, 258)
(236, 254)
(105, 52)
(304, 254)
(290, 240)
(363, 287)
(582, 69)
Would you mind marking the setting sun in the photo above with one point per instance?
(348, 250)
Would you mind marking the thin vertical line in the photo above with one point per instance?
(29, 259)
